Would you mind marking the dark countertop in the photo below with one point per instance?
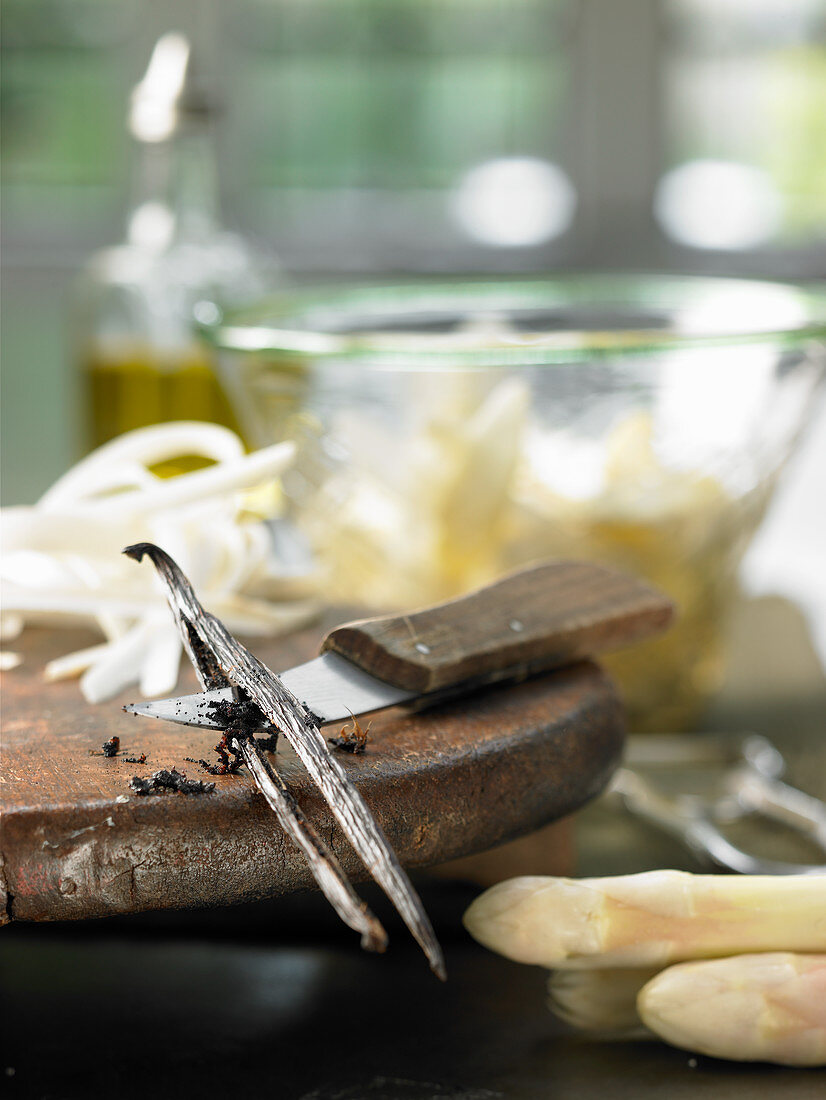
(276, 1000)
(159, 1016)
(161, 1008)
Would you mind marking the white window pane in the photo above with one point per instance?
(745, 125)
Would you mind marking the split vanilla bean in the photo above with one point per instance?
(221, 661)
(324, 865)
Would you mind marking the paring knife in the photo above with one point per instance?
(540, 618)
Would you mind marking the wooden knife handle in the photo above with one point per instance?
(542, 617)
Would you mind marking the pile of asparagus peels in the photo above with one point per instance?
(732, 966)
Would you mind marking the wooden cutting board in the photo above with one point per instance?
(77, 842)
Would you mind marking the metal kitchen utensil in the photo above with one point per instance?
(751, 786)
(755, 787)
(543, 617)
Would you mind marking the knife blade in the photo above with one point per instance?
(540, 618)
(330, 686)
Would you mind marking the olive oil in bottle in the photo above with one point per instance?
(132, 385)
(134, 332)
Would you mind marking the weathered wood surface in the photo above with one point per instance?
(77, 842)
(542, 617)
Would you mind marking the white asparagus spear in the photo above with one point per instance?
(749, 1008)
(652, 919)
(603, 1002)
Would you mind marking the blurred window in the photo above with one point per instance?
(443, 134)
(745, 123)
(355, 121)
(64, 86)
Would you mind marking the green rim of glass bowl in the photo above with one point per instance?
(344, 322)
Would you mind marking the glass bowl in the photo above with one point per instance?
(451, 432)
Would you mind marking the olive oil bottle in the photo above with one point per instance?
(132, 385)
(134, 330)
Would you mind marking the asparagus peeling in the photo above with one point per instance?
(601, 1002)
(60, 565)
